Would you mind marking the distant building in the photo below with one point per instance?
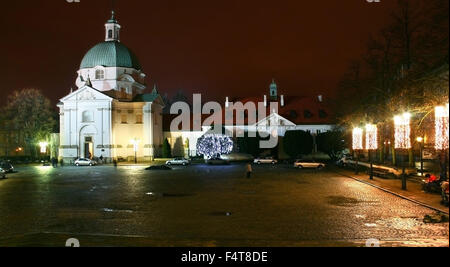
(293, 113)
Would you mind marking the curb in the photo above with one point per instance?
(396, 194)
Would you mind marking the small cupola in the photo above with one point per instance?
(273, 90)
(112, 29)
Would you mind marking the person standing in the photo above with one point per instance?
(249, 170)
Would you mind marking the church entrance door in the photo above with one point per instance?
(88, 148)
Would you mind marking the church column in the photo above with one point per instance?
(74, 132)
(149, 147)
(112, 149)
(62, 132)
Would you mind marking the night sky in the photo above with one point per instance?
(215, 47)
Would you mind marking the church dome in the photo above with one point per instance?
(110, 54)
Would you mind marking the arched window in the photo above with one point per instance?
(99, 74)
(110, 34)
(88, 116)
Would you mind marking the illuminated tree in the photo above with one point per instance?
(30, 114)
(214, 145)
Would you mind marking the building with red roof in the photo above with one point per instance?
(265, 113)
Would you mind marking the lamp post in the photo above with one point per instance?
(442, 134)
(43, 146)
(357, 145)
(403, 139)
(135, 143)
(371, 143)
(420, 140)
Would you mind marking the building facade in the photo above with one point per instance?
(109, 115)
(287, 113)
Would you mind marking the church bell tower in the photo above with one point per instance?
(112, 29)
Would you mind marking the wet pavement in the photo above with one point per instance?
(203, 205)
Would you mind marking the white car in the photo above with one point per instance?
(265, 161)
(85, 162)
(178, 161)
(303, 164)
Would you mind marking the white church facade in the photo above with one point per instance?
(109, 115)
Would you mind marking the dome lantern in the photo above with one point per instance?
(112, 29)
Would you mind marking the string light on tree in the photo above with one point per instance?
(442, 129)
(371, 137)
(214, 145)
(357, 139)
(403, 131)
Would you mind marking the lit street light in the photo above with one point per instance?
(43, 146)
(420, 140)
(357, 144)
(403, 139)
(135, 143)
(442, 134)
(371, 143)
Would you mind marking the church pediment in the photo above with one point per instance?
(274, 120)
(86, 93)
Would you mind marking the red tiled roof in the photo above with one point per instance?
(299, 110)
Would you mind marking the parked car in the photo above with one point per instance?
(301, 164)
(84, 162)
(343, 162)
(2, 174)
(217, 161)
(158, 168)
(236, 157)
(178, 161)
(268, 160)
(6, 166)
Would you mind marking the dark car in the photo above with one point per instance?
(159, 168)
(217, 161)
(6, 166)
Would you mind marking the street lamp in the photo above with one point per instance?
(357, 144)
(135, 143)
(442, 134)
(43, 146)
(420, 140)
(403, 139)
(371, 143)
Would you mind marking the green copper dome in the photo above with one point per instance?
(110, 54)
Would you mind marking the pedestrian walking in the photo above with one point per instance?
(61, 163)
(249, 170)
(115, 162)
(54, 162)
